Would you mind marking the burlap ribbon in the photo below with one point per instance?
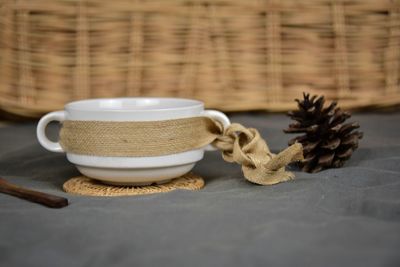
(156, 138)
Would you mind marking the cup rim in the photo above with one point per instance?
(82, 105)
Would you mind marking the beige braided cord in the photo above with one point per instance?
(246, 147)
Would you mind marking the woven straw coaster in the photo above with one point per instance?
(82, 185)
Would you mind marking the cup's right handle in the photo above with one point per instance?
(218, 116)
(41, 130)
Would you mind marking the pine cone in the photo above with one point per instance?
(327, 140)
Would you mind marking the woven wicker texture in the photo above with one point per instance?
(82, 185)
(234, 55)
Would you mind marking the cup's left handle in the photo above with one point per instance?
(41, 130)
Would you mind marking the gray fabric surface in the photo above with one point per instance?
(339, 217)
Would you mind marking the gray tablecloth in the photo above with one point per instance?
(339, 217)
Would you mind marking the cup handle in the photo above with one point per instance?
(218, 116)
(41, 130)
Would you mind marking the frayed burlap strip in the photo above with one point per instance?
(156, 138)
(246, 147)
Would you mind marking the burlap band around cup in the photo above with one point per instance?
(137, 138)
(237, 143)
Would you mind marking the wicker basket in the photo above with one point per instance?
(235, 55)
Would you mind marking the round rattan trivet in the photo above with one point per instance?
(82, 185)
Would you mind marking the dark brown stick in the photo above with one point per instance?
(33, 196)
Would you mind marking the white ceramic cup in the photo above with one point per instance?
(130, 170)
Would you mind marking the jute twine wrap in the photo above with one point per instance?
(156, 138)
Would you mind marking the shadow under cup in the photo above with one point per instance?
(130, 170)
